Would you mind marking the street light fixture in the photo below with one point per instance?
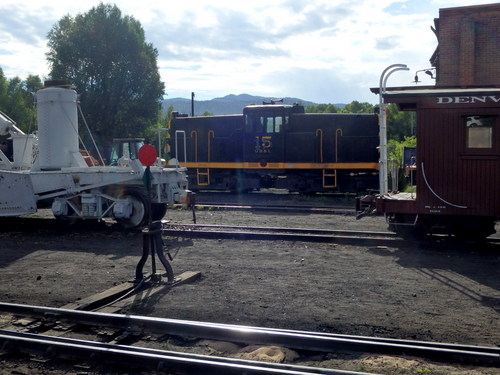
(427, 71)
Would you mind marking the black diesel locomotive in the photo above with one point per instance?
(278, 146)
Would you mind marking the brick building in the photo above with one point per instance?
(468, 52)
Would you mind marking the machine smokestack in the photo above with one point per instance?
(57, 125)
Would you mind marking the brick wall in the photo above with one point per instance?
(469, 46)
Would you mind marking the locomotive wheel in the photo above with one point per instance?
(140, 210)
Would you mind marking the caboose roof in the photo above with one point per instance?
(411, 98)
(433, 90)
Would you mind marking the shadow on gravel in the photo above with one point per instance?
(37, 225)
(21, 236)
(457, 265)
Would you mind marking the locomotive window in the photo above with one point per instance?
(265, 124)
(278, 124)
(271, 124)
(480, 131)
(268, 124)
(253, 124)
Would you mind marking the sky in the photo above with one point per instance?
(324, 51)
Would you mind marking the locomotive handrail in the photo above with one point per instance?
(337, 144)
(195, 133)
(177, 148)
(319, 132)
(210, 133)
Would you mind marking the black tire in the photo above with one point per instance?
(140, 210)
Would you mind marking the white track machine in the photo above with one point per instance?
(48, 170)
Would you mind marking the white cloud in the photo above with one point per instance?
(324, 51)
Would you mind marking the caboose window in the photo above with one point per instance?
(480, 131)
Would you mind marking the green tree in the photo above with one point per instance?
(400, 124)
(31, 85)
(395, 148)
(105, 55)
(357, 107)
(322, 108)
(170, 109)
(3, 91)
(16, 100)
(353, 107)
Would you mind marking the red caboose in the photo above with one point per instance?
(458, 162)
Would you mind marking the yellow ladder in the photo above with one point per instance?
(329, 178)
(203, 176)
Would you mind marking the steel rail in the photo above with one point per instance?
(295, 234)
(302, 340)
(152, 359)
(261, 207)
(330, 232)
(281, 236)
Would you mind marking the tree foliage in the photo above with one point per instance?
(400, 124)
(395, 148)
(322, 108)
(16, 99)
(105, 55)
(357, 107)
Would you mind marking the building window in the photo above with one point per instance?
(480, 131)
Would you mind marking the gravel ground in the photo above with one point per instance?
(447, 292)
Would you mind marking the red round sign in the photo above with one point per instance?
(147, 155)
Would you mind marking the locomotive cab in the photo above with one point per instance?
(265, 126)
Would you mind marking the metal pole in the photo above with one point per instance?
(192, 104)
(383, 125)
(159, 145)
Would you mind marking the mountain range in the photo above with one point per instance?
(227, 105)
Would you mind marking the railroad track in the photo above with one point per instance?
(278, 233)
(276, 208)
(213, 231)
(151, 359)
(130, 326)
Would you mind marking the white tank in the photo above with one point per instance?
(22, 145)
(57, 127)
